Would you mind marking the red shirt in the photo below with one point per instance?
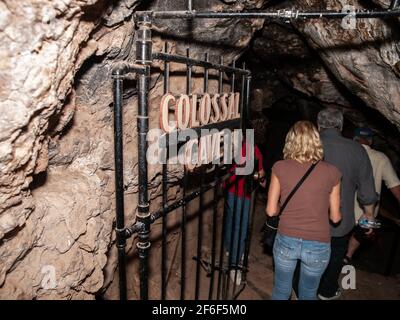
(241, 179)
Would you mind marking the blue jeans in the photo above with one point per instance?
(236, 248)
(314, 258)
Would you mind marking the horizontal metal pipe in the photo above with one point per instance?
(138, 226)
(279, 14)
(199, 63)
(187, 199)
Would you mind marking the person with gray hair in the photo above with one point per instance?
(357, 176)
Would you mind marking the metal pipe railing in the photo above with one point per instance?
(117, 76)
(278, 14)
(143, 57)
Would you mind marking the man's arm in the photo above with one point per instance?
(396, 192)
(390, 178)
(366, 193)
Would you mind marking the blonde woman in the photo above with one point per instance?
(303, 232)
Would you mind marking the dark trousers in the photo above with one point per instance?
(330, 279)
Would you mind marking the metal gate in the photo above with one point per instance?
(216, 266)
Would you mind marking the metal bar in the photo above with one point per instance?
(215, 207)
(394, 4)
(246, 105)
(221, 253)
(284, 14)
(221, 270)
(190, 6)
(242, 101)
(201, 203)
(119, 178)
(198, 63)
(230, 265)
(199, 236)
(165, 195)
(214, 231)
(239, 241)
(185, 179)
(233, 77)
(181, 202)
(143, 57)
(249, 230)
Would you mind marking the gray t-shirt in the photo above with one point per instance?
(353, 162)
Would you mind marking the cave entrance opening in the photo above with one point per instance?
(216, 265)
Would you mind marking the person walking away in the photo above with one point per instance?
(303, 232)
(353, 162)
(382, 171)
(237, 212)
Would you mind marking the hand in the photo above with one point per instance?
(263, 182)
(369, 233)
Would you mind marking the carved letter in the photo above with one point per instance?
(237, 104)
(224, 107)
(164, 112)
(193, 121)
(231, 113)
(205, 109)
(214, 101)
(182, 112)
(191, 154)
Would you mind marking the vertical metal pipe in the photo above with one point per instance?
(250, 225)
(190, 5)
(246, 105)
(165, 194)
(243, 101)
(394, 4)
(214, 224)
(242, 213)
(185, 180)
(251, 182)
(232, 238)
(144, 57)
(201, 204)
(233, 77)
(119, 179)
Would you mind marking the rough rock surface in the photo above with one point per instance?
(365, 59)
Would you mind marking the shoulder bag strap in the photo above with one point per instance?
(298, 185)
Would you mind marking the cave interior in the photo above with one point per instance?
(57, 216)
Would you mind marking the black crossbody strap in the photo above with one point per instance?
(298, 185)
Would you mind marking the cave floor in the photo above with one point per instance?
(260, 276)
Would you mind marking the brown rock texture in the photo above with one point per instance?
(364, 59)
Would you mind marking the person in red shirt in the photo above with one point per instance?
(237, 209)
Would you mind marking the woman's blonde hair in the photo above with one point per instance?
(303, 143)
